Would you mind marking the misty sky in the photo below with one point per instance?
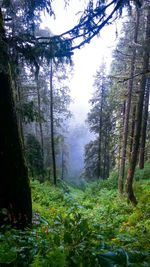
(86, 60)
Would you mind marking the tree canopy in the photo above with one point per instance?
(96, 15)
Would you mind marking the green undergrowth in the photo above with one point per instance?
(74, 227)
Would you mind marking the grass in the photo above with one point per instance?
(90, 227)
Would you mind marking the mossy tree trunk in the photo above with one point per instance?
(15, 193)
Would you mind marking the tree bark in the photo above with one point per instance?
(40, 116)
(132, 132)
(144, 126)
(52, 125)
(15, 193)
(17, 85)
(127, 110)
(106, 152)
(39, 109)
(138, 122)
(19, 117)
(62, 165)
(100, 148)
(122, 115)
(100, 170)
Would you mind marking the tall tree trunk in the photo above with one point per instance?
(144, 126)
(106, 166)
(100, 149)
(138, 122)
(127, 110)
(62, 165)
(17, 85)
(39, 109)
(40, 116)
(122, 115)
(104, 158)
(19, 116)
(52, 124)
(132, 132)
(15, 193)
(100, 172)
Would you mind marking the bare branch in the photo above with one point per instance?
(136, 75)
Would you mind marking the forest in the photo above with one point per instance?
(74, 194)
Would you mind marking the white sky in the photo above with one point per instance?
(86, 60)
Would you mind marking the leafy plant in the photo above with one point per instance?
(72, 227)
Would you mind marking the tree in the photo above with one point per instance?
(62, 156)
(95, 17)
(127, 108)
(100, 123)
(144, 126)
(17, 198)
(91, 170)
(34, 157)
(39, 108)
(139, 110)
(52, 124)
(36, 106)
(15, 194)
(122, 81)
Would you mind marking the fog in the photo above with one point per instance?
(86, 62)
(78, 137)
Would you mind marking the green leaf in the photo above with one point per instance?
(114, 259)
(7, 254)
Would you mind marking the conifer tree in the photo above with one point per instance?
(97, 152)
(139, 111)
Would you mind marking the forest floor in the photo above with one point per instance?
(88, 226)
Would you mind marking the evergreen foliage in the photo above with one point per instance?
(34, 156)
(100, 120)
(73, 227)
(119, 112)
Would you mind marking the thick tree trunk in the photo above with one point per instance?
(52, 125)
(17, 91)
(138, 122)
(16, 80)
(15, 193)
(144, 126)
(127, 110)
